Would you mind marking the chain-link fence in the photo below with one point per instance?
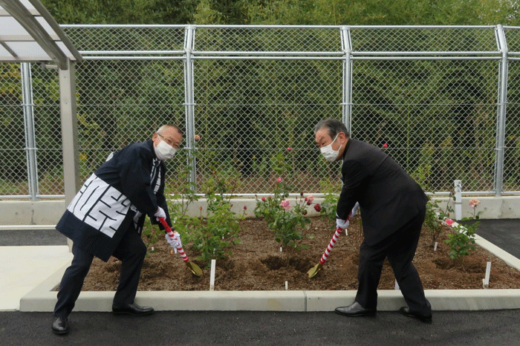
(433, 97)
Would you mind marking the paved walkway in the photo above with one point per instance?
(503, 233)
(24, 267)
(264, 328)
(24, 263)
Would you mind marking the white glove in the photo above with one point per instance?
(160, 213)
(355, 209)
(175, 241)
(343, 224)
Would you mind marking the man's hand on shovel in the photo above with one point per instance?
(340, 226)
(174, 239)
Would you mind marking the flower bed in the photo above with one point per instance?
(257, 264)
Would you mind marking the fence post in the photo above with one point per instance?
(501, 112)
(189, 104)
(458, 200)
(30, 137)
(347, 79)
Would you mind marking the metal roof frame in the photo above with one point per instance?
(40, 27)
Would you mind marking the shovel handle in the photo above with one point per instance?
(333, 241)
(170, 233)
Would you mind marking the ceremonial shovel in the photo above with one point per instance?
(195, 269)
(315, 270)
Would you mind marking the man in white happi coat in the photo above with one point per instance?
(106, 218)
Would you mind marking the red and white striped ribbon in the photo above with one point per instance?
(331, 245)
(170, 233)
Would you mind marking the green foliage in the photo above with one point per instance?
(287, 222)
(461, 241)
(211, 237)
(461, 238)
(151, 235)
(331, 198)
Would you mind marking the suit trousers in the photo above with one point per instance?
(131, 251)
(400, 249)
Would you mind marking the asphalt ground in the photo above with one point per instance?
(263, 328)
(266, 328)
(32, 238)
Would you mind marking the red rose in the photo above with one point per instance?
(317, 207)
(304, 212)
(245, 207)
(263, 199)
(385, 145)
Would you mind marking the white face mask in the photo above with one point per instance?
(330, 154)
(164, 151)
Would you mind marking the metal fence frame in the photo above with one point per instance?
(348, 55)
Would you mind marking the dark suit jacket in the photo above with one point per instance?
(387, 195)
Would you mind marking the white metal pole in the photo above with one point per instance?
(458, 200)
(69, 133)
(501, 118)
(190, 100)
(30, 136)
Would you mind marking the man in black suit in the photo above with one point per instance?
(106, 218)
(392, 207)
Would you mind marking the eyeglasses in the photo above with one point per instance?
(170, 141)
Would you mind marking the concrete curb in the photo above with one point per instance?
(43, 298)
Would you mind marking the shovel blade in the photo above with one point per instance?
(195, 269)
(314, 270)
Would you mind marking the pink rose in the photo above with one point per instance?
(263, 199)
(197, 137)
(474, 202)
(286, 204)
(289, 149)
(279, 179)
(385, 145)
(309, 199)
(449, 222)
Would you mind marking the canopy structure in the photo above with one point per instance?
(28, 33)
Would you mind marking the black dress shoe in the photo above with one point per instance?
(355, 310)
(132, 309)
(406, 311)
(60, 326)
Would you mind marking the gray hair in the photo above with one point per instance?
(166, 126)
(334, 126)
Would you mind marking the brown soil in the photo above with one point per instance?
(258, 264)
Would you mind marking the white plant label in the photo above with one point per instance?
(488, 274)
(396, 285)
(280, 249)
(435, 247)
(212, 275)
(286, 285)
